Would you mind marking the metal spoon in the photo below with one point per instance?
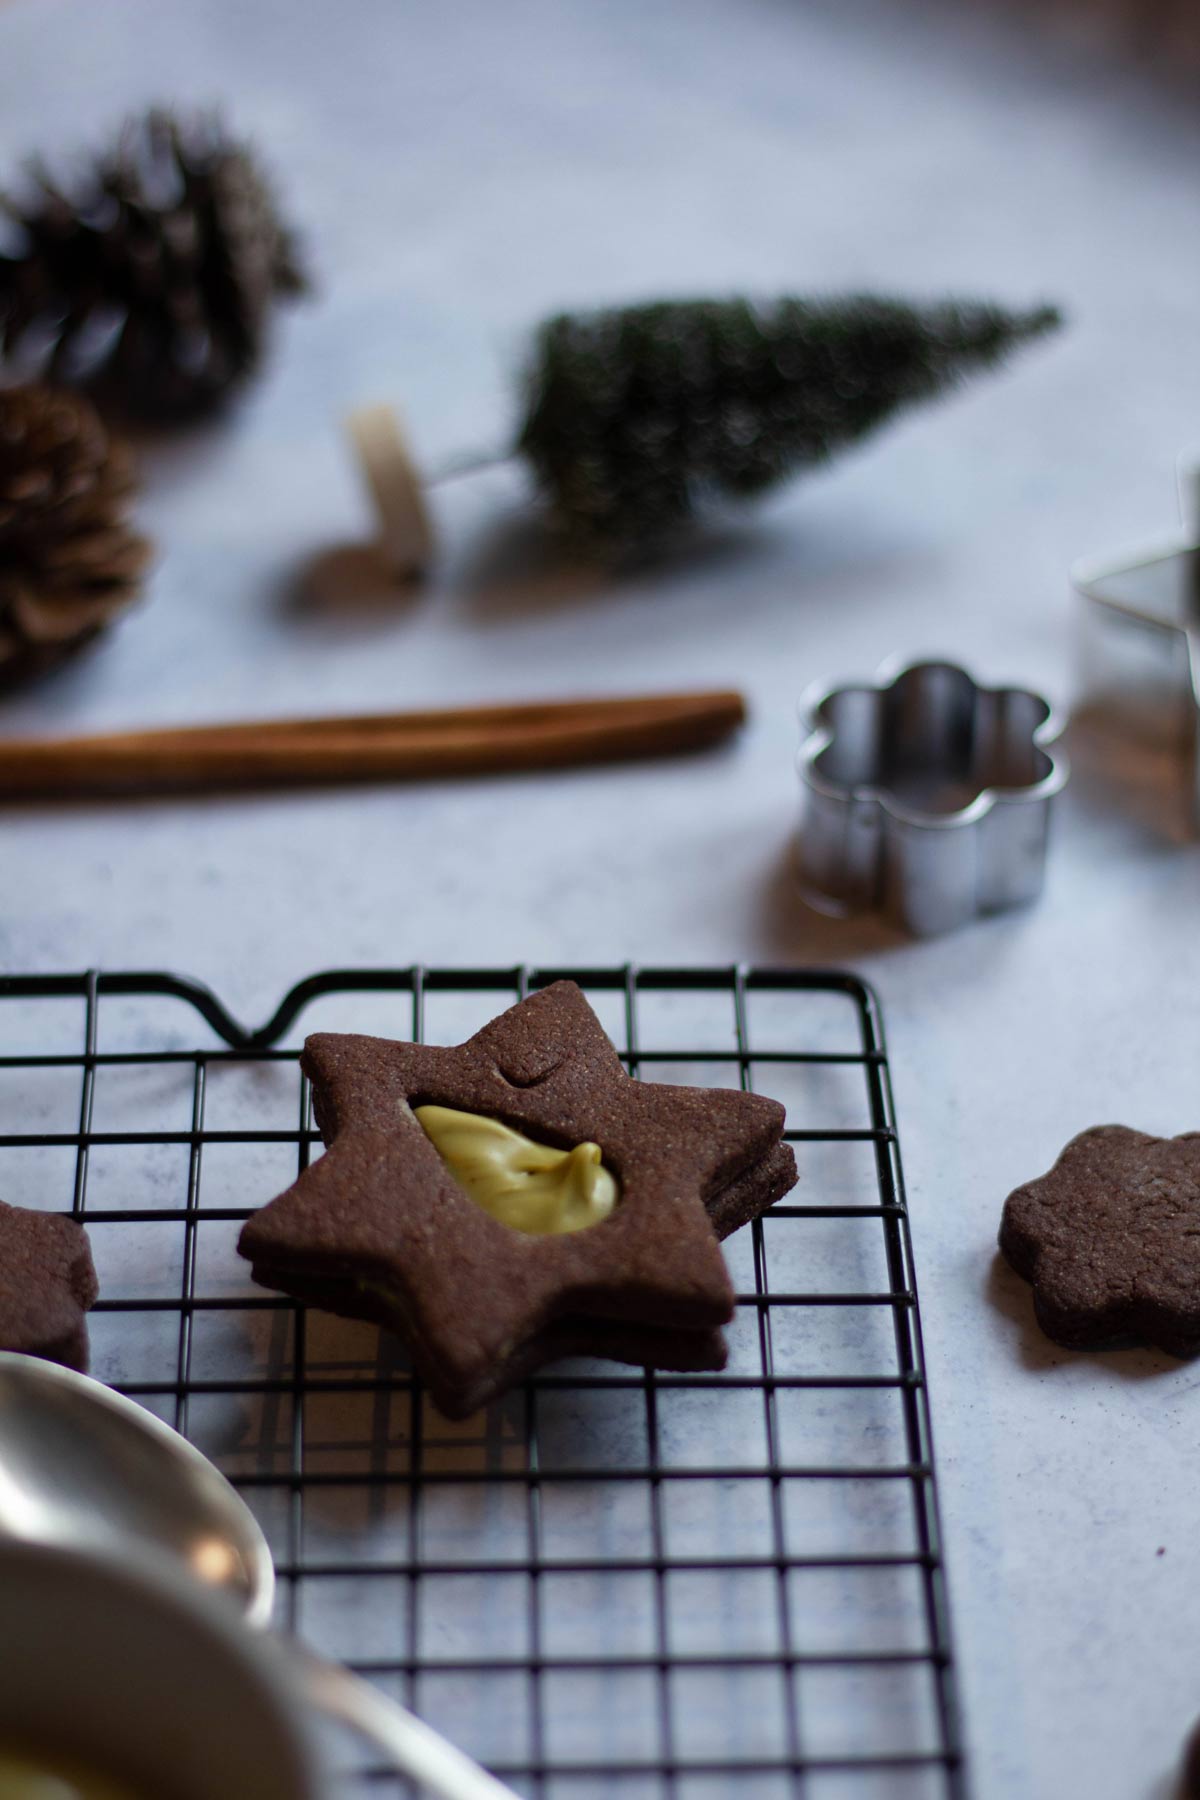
(82, 1466)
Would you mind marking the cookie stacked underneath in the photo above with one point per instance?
(519, 1198)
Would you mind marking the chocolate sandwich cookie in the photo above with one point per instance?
(622, 1341)
(742, 1201)
(1110, 1240)
(519, 1197)
(690, 1352)
(47, 1284)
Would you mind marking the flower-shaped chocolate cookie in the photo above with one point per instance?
(47, 1284)
(1110, 1240)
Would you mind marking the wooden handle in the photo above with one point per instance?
(375, 747)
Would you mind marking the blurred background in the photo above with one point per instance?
(456, 173)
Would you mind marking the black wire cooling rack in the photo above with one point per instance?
(613, 1583)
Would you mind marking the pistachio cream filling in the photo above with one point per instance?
(527, 1185)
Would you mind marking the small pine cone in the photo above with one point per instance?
(69, 561)
(155, 278)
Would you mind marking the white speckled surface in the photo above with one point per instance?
(460, 171)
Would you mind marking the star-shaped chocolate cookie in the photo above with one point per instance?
(380, 1227)
(47, 1284)
(1110, 1239)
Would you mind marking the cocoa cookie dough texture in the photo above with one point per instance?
(380, 1228)
(1110, 1240)
(47, 1284)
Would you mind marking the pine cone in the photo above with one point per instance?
(155, 277)
(69, 562)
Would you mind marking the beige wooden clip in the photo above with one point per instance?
(405, 527)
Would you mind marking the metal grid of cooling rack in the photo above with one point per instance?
(613, 1583)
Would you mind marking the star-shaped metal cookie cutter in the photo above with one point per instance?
(1140, 641)
(926, 795)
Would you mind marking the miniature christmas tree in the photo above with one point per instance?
(635, 416)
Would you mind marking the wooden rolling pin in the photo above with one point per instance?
(472, 740)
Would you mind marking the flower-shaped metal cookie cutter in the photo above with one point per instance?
(926, 795)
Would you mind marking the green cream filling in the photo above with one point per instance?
(524, 1184)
